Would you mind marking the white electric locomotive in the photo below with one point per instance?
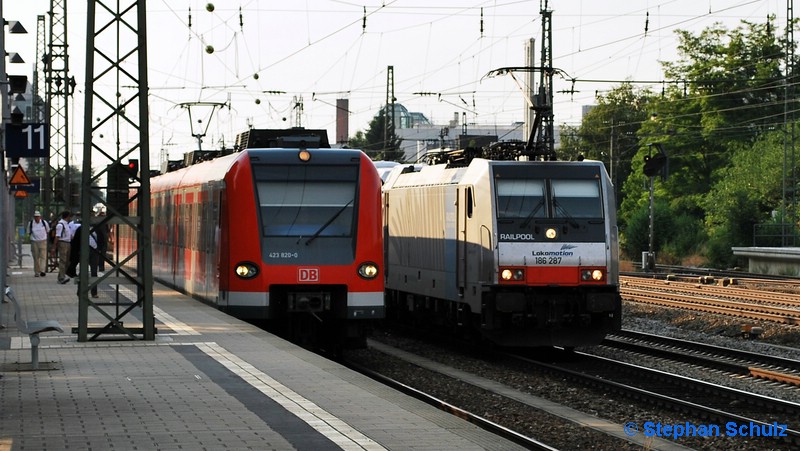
(523, 252)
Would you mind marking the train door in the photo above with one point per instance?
(464, 209)
(212, 240)
(200, 243)
(177, 236)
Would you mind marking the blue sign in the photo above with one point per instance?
(27, 140)
(33, 187)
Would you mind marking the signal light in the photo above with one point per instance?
(17, 84)
(117, 195)
(133, 168)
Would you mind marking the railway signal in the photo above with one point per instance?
(133, 168)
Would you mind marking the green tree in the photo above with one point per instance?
(747, 192)
(609, 130)
(358, 141)
(373, 143)
(730, 93)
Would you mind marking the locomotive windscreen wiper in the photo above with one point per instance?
(333, 218)
(565, 214)
(532, 213)
(534, 210)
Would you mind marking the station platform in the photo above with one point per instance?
(781, 261)
(208, 381)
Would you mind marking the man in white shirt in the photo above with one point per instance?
(62, 243)
(38, 230)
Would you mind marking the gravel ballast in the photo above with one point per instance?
(704, 328)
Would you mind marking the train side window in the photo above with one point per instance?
(470, 202)
(577, 199)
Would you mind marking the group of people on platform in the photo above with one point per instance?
(63, 241)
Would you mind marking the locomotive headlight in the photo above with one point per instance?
(595, 275)
(551, 234)
(512, 274)
(246, 270)
(304, 155)
(368, 270)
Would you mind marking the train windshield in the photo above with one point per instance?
(576, 199)
(521, 198)
(307, 202)
(530, 199)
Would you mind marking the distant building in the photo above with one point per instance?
(405, 119)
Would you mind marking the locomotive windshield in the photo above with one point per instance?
(520, 198)
(555, 198)
(576, 199)
(307, 202)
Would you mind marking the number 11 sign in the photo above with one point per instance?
(27, 140)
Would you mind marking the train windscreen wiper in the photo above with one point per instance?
(565, 214)
(333, 218)
(532, 213)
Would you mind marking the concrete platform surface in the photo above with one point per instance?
(208, 381)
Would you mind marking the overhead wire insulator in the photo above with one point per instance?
(364, 21)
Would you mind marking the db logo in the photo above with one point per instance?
(308, 274)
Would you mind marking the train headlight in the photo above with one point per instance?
(512, 274)
(551, 234)
(368, 270)
(592, 275)
(304, 155)
(246, 270)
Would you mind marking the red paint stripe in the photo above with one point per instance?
(546, 275)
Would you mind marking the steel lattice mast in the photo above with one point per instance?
(116, 55)
(60, 86)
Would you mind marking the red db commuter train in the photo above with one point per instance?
(288, 235)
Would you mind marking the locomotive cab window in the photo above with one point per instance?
(521, 198)
(306, 201)
(576, 199)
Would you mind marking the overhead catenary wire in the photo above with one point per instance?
(482, 46)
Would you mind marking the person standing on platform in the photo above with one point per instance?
(38, 230)
(75, 255)
(62, 245)
(102, 240)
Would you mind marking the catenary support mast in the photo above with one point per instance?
(116, 42)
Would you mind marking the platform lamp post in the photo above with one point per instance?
(14, 27)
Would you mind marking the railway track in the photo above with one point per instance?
(743, 303)
(480, 421)
(503, 400)
(713, 403)
(693, 400)
(735, 291)
(733, 361)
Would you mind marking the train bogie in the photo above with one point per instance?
(524, 253)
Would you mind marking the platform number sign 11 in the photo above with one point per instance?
(27, 140)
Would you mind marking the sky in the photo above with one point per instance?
(256, 61)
